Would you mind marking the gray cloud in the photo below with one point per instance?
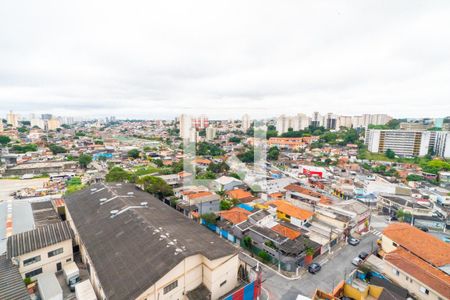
(160, 58)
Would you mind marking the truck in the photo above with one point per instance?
(48, 286)
(85, 291)
(71, 274)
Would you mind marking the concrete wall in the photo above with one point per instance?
(410, 283)
(48, 264)
(219, 276)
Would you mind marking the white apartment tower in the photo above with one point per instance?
(37, 123)
(245, 122)
(210, 133)
(185, 126)
(409, 143)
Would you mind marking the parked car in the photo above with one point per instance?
(314, 268)
(392, 219)
(357, 261)
(363, 255)
(352, 241)
(424, 229)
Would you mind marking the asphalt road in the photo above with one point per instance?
(333, 271)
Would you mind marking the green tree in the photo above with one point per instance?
(264, 256)
(156, 186)
(247, 157)
(56, 149)
(4, 140)
(209, 218)
(24, 148)
(234, 139)
(84, 160)
(208, 149)
(117, 174)
(390, 154)
(414, 177)
(273, 153)
(225, 205)
(206, 175)
(134, 153)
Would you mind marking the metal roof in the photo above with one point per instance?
(12, 286)
(132, 250)
(38, 238)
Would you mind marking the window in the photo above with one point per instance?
(170, 287)
(55, 252)
(69, 259)
(223, 283)
(424, 290)
(395, 271)
(32, 260)
(33, 273)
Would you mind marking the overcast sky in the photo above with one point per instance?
(157, 59)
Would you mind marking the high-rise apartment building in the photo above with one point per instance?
(201, 122)
(370, 119)
(330, 121)
(185, 124)
(46, 117)
(210, 133)
(409, 143)
(316, 120)
(12, 119)
(245, 122)
(37, 123)
(344, 121)
(296, 123)
(53, 124)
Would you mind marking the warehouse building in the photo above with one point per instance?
(136, 247)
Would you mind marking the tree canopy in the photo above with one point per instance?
(84, 160)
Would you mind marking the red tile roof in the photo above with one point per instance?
(235, 215)
(239, 194)
(286, 231)
(424, 245)
(420, 270)
(291, 210)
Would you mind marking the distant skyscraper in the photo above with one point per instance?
(330, 121)
(185, 126)
(245, 122)
(46, 116)
(12, 119)
(38, 123)
(210, 133)
(200, 122)
(316, 120)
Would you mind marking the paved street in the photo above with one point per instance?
(332, 272)
(17, 213)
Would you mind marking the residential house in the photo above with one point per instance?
(241, 195)
(417, 261)
(227, 183)
(45, 249)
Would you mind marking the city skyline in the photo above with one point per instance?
(158, 60)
